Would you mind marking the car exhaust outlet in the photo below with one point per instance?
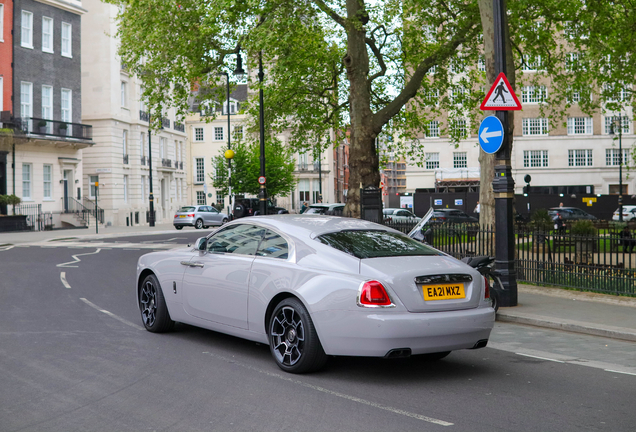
(480, 344)
(398, 353)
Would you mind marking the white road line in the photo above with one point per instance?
(540, 358)
(334, 393)
(112, 315)
(63, 279)
(76, 259)
(620, 372)
(6, 248)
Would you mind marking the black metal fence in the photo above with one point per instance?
(36, 220)
(603, 261)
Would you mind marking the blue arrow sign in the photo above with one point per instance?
(491, 134)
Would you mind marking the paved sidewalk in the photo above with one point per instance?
(588, 313)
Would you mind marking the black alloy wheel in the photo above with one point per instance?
(293, 340)
(224, 221)
(152, 306)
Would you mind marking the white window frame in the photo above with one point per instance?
(219, 134)
(534, 95)
(47, 181)
(66, 113)
(612, 156)
(27, 181)
(580, 126)
(580, 158)
(67, 51)
(26, 106)
(238, 132)
(92, 179)
(460, 127)
(199, 170)
(625, 123)
(47, 34)
(460, 160)
(200, 198)
(535, 158)
(47, 108)
(1, 39)
(537, 124)
(432, 160)
(199, 137)
(26, 29)
(433, 129)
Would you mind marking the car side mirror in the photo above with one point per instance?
(200, 243)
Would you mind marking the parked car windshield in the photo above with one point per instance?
(316, 210)
(185, 209)
(375, 244)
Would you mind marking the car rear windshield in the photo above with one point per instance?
(185, 209)
(316, 210)
(375, 244)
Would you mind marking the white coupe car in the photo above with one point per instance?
(315, 286)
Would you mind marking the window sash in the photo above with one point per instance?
(534, 126)
(26, 99)
(580, 158)
(433, 129)
(67, 105)
(26, 33)
(47, 34)
(460, 160)
(579, 125)
(535, 158)
(198, 134)
(92, 180)
(534, 94)
(47, 171)
(218, 134)
(612, 157)
(432, 160)
(26, 180)
(47, 102)
(66, 39)
(200, 172)
(609, 120)
(200, 198)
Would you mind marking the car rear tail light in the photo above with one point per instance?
(486, 288)
(176, 216)
(190, 215)
(373, 293)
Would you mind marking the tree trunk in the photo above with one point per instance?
(487, 161)
(363, 157)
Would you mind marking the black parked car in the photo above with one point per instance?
(251, 207)
(451, 216)
(570, 213)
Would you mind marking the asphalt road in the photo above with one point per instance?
(74, 356)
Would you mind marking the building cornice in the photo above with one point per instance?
(72, 6)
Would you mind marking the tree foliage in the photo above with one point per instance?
(279, 169)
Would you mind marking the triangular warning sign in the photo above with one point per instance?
(501, 97)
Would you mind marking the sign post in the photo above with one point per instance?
(96, 208)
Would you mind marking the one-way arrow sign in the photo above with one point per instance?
(491, 134)
(501, 97)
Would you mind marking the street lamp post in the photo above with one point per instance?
(262, 193)
(620, 163)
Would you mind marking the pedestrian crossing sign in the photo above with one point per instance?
(501, 97)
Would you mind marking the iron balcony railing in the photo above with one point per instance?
(165, 123)
(125, 159)
(167, 163)
(179, 127)
(55, 128)
(144, 160)
(144, 116)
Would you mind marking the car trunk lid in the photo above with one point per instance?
(427, 283)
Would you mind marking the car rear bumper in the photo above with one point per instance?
(374, 333)
(183, 222)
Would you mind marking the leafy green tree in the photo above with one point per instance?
(279, 169)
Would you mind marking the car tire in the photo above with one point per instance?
(198, 224)
(293, 340)
(152, 305)
(224, 221)
(178, 227)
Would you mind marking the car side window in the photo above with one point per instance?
(273, 246)
(240, 239)
(212, 210)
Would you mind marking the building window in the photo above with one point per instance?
(459, 160)
(534, 94)
(433, 129)
(238, 133)
(534, 126)
(1, 35)
(47, 34)
(459, 128)
(432, 160)
(316, 191)
(614, 120)
(220, 199)
(612, 157)
(47, 173)
(27, 30)
(26, 181)
(123, 95)
(198, 134)
(303, 190)
(200, 173)
(162, 147)
(233, 106)
(200, 198)
(47, 103)
(67, 105)
(535, 158)
(67, 48)
(481, 64)
(218, 134)
(125, 188)
(580, 157)
(579, 125)
(26, 99)
(531, 64)
(92, 191)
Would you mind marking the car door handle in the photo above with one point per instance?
(191, 264)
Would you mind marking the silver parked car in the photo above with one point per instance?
(399, 215)
(312, 287)
(198, 216)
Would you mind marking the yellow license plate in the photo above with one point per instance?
(444, 291)
(182, 216)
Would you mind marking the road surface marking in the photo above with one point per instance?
(334, 393)
(112, 315)
(620, 372)
(540, 358)
(63, 279)
(6, 247)
(76, 259)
